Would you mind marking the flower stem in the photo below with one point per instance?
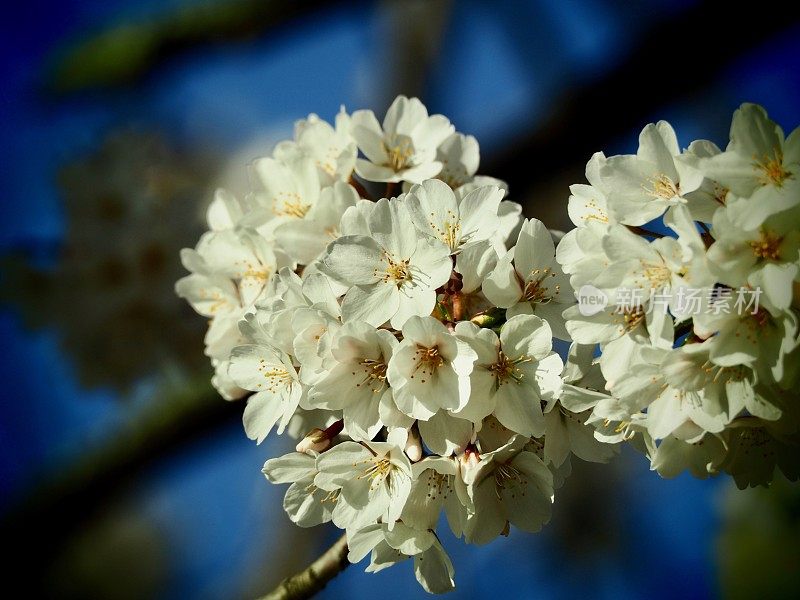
(315, 577)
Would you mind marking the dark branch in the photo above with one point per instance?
(590, 118)
(38, 524)
(315, 577)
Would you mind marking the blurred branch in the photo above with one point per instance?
(592, 116)
(414, 33)
(315, 577)
(125, 52)
(64, 503)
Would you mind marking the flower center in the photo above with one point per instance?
(277, 377)
(428, 361)
(378, 469)
(595, 212)
(508, 477)
(398, 154)
(374, 374)
(767, 246)
(656, 273)
(537, 293)
(395, 271)
(450, 231)
(218, 301)
(662, 187)
(290, 204)
(506, 368)
(438, 485)
(772, 170)
(631, 317)
(718, 374)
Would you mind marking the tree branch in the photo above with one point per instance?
(588, 118)
(646, 232)
(315, 577)
(38, 523)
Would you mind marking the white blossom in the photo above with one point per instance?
(528, 280)
(394, 273)
(404, 148)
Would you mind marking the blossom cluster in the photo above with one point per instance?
(379, 301)
(405, 340)
(708, 386)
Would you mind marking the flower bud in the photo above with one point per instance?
(316, 440)
(413, 446)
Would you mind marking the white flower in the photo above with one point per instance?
(588, 203)
(460, 157)
(356, 382)
(455, 222)
(394, 273)
(758, 164)
(674, 407)
(767, 257)
(305, 503)
(332, 149)
(760, 340)
(305, 238)
(374, 479)
(642, 186)
(224, 212)
(534, 283)
(711, 195)
(432, 566)
(223, 383)
(567, 430)
(508, 485)
(230, 270)
(702, 458)
(404, 149)
(290, 191)
(429, 375)
(269, 373)
(432, 491)
(513, 375)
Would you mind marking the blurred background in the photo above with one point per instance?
(122, 474)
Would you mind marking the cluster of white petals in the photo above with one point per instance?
(701, 372)
(406, 341)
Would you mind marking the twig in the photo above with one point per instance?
(39, 523)
(315, 577)
(643, 231)
(362, 191)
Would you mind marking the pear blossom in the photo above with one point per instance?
(438, 214)
(374, 479)
(356, 382)
(388, 546)
(305, 238)
(306, 504)
(331, 148)
(643, 186)
(269, 373)
(567, 421)
(404, 148)
(759, 164)
(429, 375)
(394, 273)
(509, 485)
(513, 374)
(767, 257)
(528, 280)
(290, 190)
(406, 344)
